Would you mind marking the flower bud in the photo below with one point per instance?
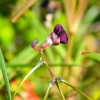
(34, 45)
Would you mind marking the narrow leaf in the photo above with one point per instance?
(60, 90)
(37, 66)
(4, 72)
(76, 89)
(92, 55)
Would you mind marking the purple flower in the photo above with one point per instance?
(57, 29)
(56, 37)
(60, 32)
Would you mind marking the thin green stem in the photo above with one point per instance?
(49, 88)
(47, 93)
(46, 64)
(60, 90)
(76, 89)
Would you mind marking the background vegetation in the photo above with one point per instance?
(80, 19)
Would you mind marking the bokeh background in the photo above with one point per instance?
(80, 19)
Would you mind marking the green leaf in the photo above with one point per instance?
(92, 55)
(60, 90)
(4, 72)
(76, 89)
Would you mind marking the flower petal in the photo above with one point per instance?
(57, 29)
(60, 32)
(63, 38)
(53, 39)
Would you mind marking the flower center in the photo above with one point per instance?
(61, 32)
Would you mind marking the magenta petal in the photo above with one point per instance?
(53, 39)
(63, 38)
(56, 39)
(60, 32)
(57, 29)
(57, 36)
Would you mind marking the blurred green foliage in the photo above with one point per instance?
(15, 43)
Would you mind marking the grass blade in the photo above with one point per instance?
(4, 72)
